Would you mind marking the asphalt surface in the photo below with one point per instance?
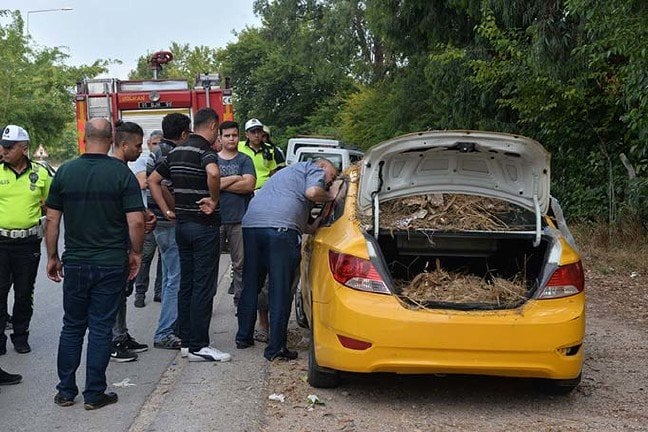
(159, 392)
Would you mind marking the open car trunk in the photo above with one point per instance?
(461, 270)
(457, 217)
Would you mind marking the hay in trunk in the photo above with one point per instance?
(440, 286)
(451, 212)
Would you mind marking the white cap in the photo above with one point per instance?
(12, 134)
(253, 123)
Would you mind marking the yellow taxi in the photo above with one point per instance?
(348, 293)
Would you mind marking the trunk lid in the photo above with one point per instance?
(491, 164)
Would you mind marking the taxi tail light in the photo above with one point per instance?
(354, 344)
(566, 281)
(356, 273)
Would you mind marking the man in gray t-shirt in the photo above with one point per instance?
(272, 228)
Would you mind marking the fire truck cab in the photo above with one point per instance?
(146, 102)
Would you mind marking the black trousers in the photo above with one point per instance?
(19, 260)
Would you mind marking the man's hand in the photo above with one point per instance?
(54, 269)
(150, 221)
(207, 205)
(134, 263)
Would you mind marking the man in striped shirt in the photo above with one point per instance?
(193, 169)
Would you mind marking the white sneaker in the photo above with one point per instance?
(209, 354)
(184, 352)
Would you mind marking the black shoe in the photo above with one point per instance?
(104, 399)
(133, 346)
(62, 401)
(7, 378)
(22, 347)
(120, 354)
(171, 342)
(157, 298)
(284, 355)
(243, 345)
(139, 302)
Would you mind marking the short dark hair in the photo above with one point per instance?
(174, 124)
(204, 116)
(227, 124)
(123, 129)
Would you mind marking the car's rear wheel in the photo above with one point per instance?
(558, 387)
(318, 376)
(300, 316)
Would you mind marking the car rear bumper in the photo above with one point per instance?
(531, 341)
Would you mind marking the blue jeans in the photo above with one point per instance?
(199, 248)
(166, 240)
(277, 250)
(90, 299)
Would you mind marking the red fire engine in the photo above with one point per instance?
(146, 102)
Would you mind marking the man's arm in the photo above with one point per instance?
(141, 179)
(135, 222)
(242, 185)
(155, 186)
(52, 230)
(208, 204)
(319, 194)
(226, 182)
(213, 181)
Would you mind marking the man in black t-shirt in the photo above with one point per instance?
(193, 169)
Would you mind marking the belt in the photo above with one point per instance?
(22, 233)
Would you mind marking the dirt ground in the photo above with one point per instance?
(613, 395)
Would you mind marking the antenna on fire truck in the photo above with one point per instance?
(158, 59)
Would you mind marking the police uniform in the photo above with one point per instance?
(266, 160)
(21, 230)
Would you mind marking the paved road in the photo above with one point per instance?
(169, 393)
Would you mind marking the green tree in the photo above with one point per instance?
(188, 62)
(35, 84)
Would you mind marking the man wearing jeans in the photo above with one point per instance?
(272, 228)
(193, 169)
(175, 128)
(104, 216)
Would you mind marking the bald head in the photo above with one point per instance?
(98, 136)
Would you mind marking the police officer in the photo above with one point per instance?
(24, 185)
(265, 156)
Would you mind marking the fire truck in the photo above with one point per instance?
(146, 102)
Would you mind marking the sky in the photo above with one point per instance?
(126, 30)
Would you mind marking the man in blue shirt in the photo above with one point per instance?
(272, 228)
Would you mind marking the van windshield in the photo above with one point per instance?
(335, 159)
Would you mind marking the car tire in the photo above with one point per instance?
(559, 387)
(300, 316)
(320, 377)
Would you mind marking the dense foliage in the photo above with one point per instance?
(36, 88)
(572, 74)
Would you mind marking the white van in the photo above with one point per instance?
(295, 143)
(341, 158)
